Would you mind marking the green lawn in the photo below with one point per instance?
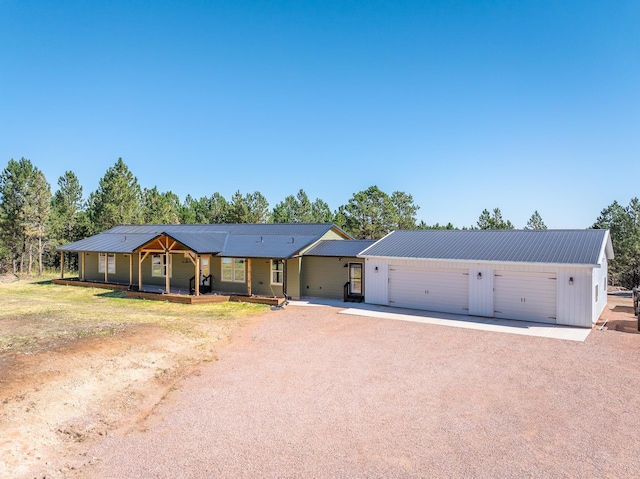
(35, 314)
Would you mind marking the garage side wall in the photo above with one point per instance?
(574, 300)
(600, 279)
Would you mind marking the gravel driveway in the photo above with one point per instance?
(306, 392)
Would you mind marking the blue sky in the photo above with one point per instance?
(465, 105)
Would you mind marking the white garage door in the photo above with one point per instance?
(444, 290)
(525, 295)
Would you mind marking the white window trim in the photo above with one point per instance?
(233, 270)
(163, 264)
(281, 271)
(111, 262)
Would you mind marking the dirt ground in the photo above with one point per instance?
(305, 392)
(72, 392)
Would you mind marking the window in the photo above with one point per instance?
(277, 271)
(233, 270)
(159, 265)
(111, 263)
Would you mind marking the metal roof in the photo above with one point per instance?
(287, 229)
(338, 248)
(277, 240)
(266, 246)
(582, 247)
(110, 243)
(203, 243)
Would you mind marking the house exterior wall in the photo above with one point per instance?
(226, 286)
(261, 278)
(325, 276)
(121, 276)
(576, 304)
(293, 277)
(182, 270)
(91, 267)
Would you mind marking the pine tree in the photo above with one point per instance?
(36, 217)
(160, 208)
(369, 214)
(117, 199)
(13, 186)
(535, 222)
(493, 221)
(405, 210)
(68, 220)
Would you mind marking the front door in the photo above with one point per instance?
(355, 278)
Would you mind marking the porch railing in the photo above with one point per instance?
(205, 286)
(351, 297)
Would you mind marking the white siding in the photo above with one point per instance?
(575, 303)
(574, 300)
(481, 290)
(376, 288)
(599, 280)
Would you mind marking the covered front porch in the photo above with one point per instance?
(182, 269)
(176, 295)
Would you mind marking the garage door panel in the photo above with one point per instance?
(525, 296)
(429, 289)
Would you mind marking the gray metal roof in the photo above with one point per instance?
(203, 243)
(287, 229)
(338, 248)
(110, 243)
(580, 247)
(278, 240)
(266, 246)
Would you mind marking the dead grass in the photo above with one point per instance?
(37, 315)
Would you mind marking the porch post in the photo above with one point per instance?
(61, 264)
(249, 276)
(167, 278)
(106, 267)
(197, 275)
(82, 256)
(130, 270)
(139, 271)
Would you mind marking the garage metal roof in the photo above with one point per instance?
(580, 247)
(278, 240)
(338, 248)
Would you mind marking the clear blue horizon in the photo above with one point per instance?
(465, 105)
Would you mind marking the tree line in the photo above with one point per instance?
(33, 221)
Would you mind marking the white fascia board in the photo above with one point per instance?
(477, 261)
(607, 247)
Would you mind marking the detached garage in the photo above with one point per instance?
(549, 276)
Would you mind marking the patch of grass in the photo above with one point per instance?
(35, 312)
